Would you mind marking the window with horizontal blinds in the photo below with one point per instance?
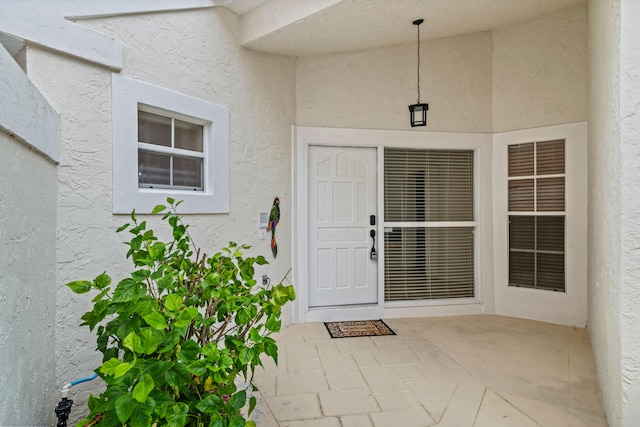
(536, 200)
(429, 224)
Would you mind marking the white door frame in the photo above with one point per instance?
(303, 137)
(349, 279)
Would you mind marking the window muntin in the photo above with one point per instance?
(429, 224)
(536, 203)
(170, 152)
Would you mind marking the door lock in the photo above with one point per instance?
(373, 254)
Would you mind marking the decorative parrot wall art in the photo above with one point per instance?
(274, 217)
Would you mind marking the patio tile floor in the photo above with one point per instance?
(462, 371)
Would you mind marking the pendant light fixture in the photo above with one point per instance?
(418, 110)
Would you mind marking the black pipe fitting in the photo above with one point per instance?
(63, 408)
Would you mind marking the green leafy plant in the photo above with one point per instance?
(180, 333)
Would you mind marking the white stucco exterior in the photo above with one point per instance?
(630, 210)
(613, 188)
(372, 89)
(520, 77)
(29, 141)
(200, 58)
(540, 71)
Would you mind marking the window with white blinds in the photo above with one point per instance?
(536, 201)
(429, 224)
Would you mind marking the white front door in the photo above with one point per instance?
(342, 206)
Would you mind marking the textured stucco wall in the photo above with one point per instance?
(605, 202)
(29, 146)
(630, 210)
(522, 76)
(372, 89)
(27, 285)
(540, 71)
(194, 53)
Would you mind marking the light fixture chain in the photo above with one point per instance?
(418, 64)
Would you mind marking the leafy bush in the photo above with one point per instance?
(180, 331)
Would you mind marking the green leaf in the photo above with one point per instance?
(92, 402)
(122, 228)
(239, 399)
(273, 323)
(189, 351)
(80, 286)
(172, 302)
(101, 295)
(143, 388)
(246, 355)
(102, 281)
(250, 423)
(178, 375)
(252, 404)
(115, 367)
(225, 361)
(128, 326)
(163, 402)
(209, 404)
(157, 369)
(156, 251)
(199, 367)
(133, 342)
(271, 349)
(158, 209)
(282, 294)
(141, 415)
(150, 339)
(99, 312)
(146, 305)
(217, 421)
(237, 422)
(155, 320)
(124, 407)
(140, 275)
(211, 352)
(145, 343)
(177, 415)
(127, 290)
(170, 341)
(171, 200)
(243, 317)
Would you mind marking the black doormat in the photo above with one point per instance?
(358, 328)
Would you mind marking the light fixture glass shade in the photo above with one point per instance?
(418, 114)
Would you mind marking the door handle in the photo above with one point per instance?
(373, 254)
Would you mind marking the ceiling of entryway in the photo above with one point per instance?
(312, 27)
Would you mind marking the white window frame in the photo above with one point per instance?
(128, 95)
(568, 307)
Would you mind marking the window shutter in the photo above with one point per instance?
(428, 261)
